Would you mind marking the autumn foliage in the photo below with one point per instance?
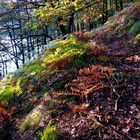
(5, 117)
(89, 80)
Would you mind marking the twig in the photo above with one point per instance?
(116, 101)
(118, 134)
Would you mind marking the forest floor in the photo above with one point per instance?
(88, 87)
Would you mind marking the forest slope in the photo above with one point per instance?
(83, 87)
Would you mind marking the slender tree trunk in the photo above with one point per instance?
(116, 5)
(21, 43)
(71, 20)
(3, 72)
(121, 4)
(61, 26)
(103, 12)
(28, 49)
(5, 67)
(63, 29)
(13, 49)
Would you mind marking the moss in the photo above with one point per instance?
(129, 21)
(137, 38)
(135, 28)
(51, 132)
(9, 87)
(103, 58)
(64, 49)
(32, 120)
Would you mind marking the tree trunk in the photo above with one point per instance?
(71, 20)
(121, 4)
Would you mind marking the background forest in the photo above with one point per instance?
(27, 27)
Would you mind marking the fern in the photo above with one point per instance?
(88, 81)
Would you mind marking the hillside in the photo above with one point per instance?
(83, 87)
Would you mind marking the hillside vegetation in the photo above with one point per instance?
(84, 87)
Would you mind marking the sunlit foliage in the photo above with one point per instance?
(8, 88)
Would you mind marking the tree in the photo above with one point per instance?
(58, 13)
(18, 44)
(65, 14)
